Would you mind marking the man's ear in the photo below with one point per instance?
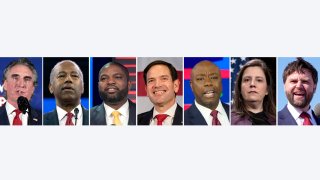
(50, 88)
(129, 85)
(176, 85)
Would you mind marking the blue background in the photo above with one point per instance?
(36, 100)
(282, 63)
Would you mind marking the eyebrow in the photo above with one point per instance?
(18, 75)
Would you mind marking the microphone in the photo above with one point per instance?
(23, 104)
(76, 112)
(317, 110)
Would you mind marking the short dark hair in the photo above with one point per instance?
(297, 66)
(269, 103)
(121, 66)
(171, 68)
(21, 61)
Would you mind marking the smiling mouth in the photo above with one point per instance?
(159, 92)
(299, 94)
(111, 90)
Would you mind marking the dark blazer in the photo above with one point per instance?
(285, 117)
(144, 118)
(51, 118)
(193, 116)
(98, 114)
(34, 119)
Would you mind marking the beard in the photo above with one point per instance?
(114, 98)
(299, 103)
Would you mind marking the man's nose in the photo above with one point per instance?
(207, 81)
(21, 82)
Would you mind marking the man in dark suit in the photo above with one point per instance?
(300, 79)
(116, 109)
(19, 79)
(162, 84)
(66, 84)
(206, 85)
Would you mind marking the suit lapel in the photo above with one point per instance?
(3, 116)
(177, 120)
(132, 113)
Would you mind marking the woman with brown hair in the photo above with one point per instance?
(254, 100)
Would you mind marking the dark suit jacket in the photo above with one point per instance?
(34, 119)
(98, 114)
(193, 116)
(285, 117)
(144, 118)
(51, 118)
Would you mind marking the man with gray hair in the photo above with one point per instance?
(19, 82)
(66, 84)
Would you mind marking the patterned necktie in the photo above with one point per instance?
(306, 118)
(215, 120)
(69, 119)
(161, 118)
(16, 120)
(116, 119)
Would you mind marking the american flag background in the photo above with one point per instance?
(144, 104)
(221, 62)
(238, 62)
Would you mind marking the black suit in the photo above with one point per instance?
(34, 119)
(98, 114)
(193, 116)
(51, 118)
(145, 118)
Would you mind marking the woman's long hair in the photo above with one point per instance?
(269, 105)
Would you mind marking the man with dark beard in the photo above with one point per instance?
(116, 109)
(300, 79)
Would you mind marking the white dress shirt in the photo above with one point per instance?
(295, 112)
(62, 116)
(124, 113)
(169, 120)
(222, 115)
(10, 108)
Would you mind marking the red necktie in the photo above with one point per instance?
(161, 118)
(16, 119)
(306, 118)
(215, 120)
(69, 119)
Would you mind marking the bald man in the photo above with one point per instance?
(66, 84)
(206, 85)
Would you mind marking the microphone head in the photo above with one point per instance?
(317, 110)
(23, 104)
(76, 110)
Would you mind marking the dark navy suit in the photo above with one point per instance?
(34, 119)
(285, 117)
(51, 118)
(193, 116)
(144, 118)
(98, 114)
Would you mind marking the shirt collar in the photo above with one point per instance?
(295, 112)
(9, 108)
(205, 110)
(123, 110)
(170, 112)
(62, 113)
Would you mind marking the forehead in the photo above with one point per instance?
(205, 67)
(253, 71)
(20, 69)
(112, 69)
(66, 67)
(158, 70)
(306, 74)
